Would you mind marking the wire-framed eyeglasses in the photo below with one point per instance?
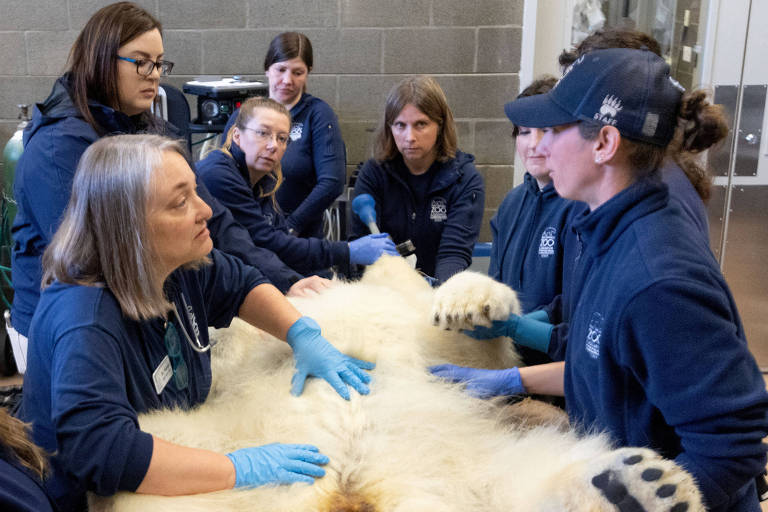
(144, 67)
(282, 139)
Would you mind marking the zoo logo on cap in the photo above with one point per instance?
(296, 131)
(594, 333)
(438, 210)
(608, 110)
(547, 242)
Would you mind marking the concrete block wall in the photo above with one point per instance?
(362, 48)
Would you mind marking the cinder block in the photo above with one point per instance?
(80, 11)
(203, 14)
(494, 143)
(392, 13)
(293, 14)
(361, 97)
(485, 12)
(498, 50)
(47, 52)
(479, 96)
(485, 227)
(323, 87)
(22, 89)
(499, 180)
(346, 51)
(238, 52)
(184, 49)
(358, 137)
(33, 15)
(444, 50)
(13, 53)
(466, 136)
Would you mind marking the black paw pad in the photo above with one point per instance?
(680, 507)
(651, 474)
(616, 492)
(634, 459)
(665, 491)
(437, 318)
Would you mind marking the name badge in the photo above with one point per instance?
(162, 374)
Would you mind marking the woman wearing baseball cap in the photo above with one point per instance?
(656, 353)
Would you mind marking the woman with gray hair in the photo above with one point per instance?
(132, 283)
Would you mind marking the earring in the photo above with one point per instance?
(598, 159)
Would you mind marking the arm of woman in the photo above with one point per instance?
(227, 185)
(462, 227)
(202, 470)
(330, 160)
(694, 366)
(544, 379)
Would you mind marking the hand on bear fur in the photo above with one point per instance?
(316, 357)
(482, 383)
(277, 463)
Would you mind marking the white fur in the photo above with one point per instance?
(414, 444)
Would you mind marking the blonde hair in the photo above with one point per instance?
(14, 434)
(104, 239)
(245, 114)
(424, 93)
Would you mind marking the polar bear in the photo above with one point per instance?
(415, 443)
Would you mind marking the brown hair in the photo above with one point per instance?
(700, 124)
(245, 114)
(607, 38)
(287, 46)
(93, 57)
(14, 434)
(541, 85)
(104, 238)
(424, 93)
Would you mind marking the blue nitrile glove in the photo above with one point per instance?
(277, 463)
(366, 250)
(540, 314)
(315, 356)
(433, 282)
(482, 383)
(524, 331)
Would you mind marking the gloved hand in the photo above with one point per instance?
(315, 356)
(523, 330)
(482, 383)
(366, 250)
(433, 282)
(277, 463)
(540, 314)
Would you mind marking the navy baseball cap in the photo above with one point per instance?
(628, 89)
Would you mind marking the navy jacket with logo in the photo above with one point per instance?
(90, 374)
(314, 165)
(444, 229)
(54, 141)
(527, 251)
(656, 353)
(227, 179)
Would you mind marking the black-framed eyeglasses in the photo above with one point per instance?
(282, 139)
(144, 67)
(173, 347)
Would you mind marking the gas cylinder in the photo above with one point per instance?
(11, 154)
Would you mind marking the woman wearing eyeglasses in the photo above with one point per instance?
(245, 175)
(114, 71)
(132, 283)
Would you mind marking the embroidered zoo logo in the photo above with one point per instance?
(296, 131)
(439, 210)
(609, 110)
(594, 333)
(547, 242)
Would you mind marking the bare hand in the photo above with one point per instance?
(309, 286)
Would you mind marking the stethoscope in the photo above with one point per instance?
(196, 345)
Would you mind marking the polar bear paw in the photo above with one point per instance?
(638, 480)
(470, 298)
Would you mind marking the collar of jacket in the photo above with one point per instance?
(446, 173)
(602, 227)
(299, 107)
(533, 186)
